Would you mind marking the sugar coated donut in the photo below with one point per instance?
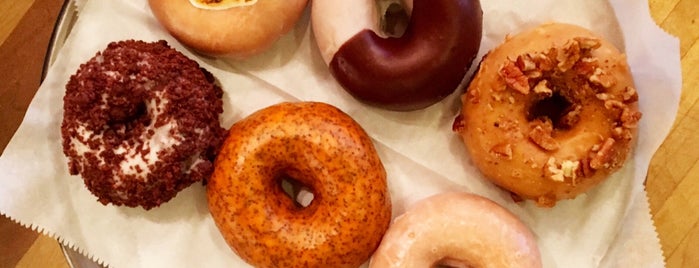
(319, 147)
(230, 28)
(410, 72)
(457, 230)
(140, 123)
(550, 113)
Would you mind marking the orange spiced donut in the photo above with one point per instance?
(457, 230)
(314, 145)
(231, 28)
(550, 113)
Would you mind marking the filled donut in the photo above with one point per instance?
(140, 123)
(230, 28)
(457, 230)
(550, 113)
(312, 145)
(419, 68)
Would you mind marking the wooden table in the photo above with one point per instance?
(673, 178)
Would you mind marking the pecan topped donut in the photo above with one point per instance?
(141, 123)
(550, 113)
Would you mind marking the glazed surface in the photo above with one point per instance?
(237, 32)
(319, 147)
(550, 113)
(423, 66)
(458, 230)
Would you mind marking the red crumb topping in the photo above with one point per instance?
(116, 102)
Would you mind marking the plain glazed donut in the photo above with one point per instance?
(457, 230)
(230, 28)
(424, 65)
(321, 148)
(141, 123)
(550, 113)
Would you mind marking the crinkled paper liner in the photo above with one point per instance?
(180, 233)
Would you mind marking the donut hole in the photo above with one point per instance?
(129, 115)
(302, 195)
(448, 262)
(394, 20)
(554, 108)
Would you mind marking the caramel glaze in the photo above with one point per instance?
(421, 67)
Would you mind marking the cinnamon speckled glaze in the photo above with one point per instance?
(320, 147)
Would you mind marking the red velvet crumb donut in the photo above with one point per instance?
(141, 123)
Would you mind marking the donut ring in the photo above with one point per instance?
(418, 69)
(234, 31)
(322, 148)
(458, 230)
(550, 113)
(140, 123)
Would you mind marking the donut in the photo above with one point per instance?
(140, 123)
(457, 230)
(551, 112)
(228, 28)
(419, 68)
(314, 145)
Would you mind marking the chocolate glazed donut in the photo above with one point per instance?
(421, 67)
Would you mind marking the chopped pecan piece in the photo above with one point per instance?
(567, 169)
(571, 118)
(601, 158)
(542, 88)
(545, 124)
(544, 61)
(602, 96)
(570, 168)
(514, 78)
(534, 74)
(587, 43)
(586, 66)
(540, 134)
(622, 133)
(525, 63)
(630, 94)
(569, 55)
(585, 170)
(502, 150)
(629, 118)
(613, 104)
(601, 78)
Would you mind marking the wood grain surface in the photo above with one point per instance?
(673, 177)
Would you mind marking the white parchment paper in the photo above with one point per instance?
(609, 226)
